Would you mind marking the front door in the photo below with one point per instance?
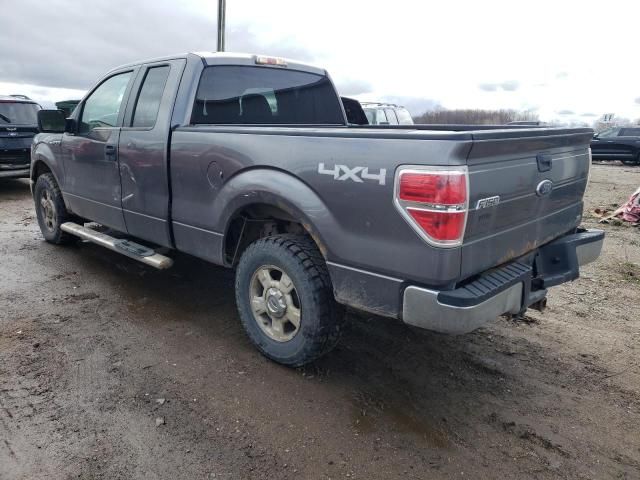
(92, 175)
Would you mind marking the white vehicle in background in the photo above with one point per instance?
(386, 114)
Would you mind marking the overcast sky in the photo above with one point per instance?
(568, 61)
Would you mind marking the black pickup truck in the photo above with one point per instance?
(249, 162)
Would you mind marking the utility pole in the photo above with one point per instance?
(221, 14)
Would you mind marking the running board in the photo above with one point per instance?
(125, 247)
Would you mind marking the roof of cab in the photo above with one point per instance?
(230, 58)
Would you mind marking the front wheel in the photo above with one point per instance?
(50, 209)
(285, 299)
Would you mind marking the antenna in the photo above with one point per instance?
(221, 15)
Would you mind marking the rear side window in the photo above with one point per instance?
(391, 117)
(262, 95)
(404, 117)
(381, 118)
(148, 104)
(630, 132)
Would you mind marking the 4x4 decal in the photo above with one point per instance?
(357, 174)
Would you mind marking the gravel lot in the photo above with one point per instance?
(109, 369)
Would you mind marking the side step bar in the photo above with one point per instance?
(122, 246)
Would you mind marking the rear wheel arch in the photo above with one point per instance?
(266, 194)
(253, 221)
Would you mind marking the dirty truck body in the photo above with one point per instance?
(237, 158)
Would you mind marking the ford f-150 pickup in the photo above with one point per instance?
(249, 162)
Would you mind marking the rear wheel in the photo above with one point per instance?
(636, 161)
(50, 209)
(285, 300)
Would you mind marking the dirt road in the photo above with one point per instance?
(109, 369)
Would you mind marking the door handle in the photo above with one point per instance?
(110, 151)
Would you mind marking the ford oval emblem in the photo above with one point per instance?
(544, 188)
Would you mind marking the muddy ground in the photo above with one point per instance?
(109, 369)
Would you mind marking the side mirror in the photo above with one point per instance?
(596, 135)
(51, 121)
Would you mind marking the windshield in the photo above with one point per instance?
(19, 113)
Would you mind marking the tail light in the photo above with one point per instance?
(434, 201)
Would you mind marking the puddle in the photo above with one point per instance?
(371, 415)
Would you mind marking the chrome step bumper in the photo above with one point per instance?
(507, 289)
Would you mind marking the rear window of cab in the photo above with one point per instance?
(249, 95)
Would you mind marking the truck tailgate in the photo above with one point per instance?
(516, 167)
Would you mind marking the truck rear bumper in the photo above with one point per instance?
(507, 289)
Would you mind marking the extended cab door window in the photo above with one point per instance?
(148, 103)
(102, 108)
(263, 95)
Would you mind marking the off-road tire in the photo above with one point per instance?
(320, 316)
(46, 185)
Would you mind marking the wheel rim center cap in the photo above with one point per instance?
(276, 304)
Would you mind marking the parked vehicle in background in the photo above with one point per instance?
(617, 143)
(67, 106)
(18, 125)
(386, 114)
(249, 162)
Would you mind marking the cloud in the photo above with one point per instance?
(637, 100)
(488, 87)
(507, 86)
(353, 87)
(510, 85)
(588, 114)
(561, 75)
(71, 47)
(565, 112)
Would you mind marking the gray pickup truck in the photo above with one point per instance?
(249, 162)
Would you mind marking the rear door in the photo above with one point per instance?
(143, 151)
(526, 189)
(90, 155)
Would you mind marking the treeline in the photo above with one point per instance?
(475, 117)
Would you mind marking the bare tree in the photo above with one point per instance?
(475, 116)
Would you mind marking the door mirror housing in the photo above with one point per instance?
(51, 121)
(70, 125)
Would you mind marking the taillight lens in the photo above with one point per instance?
(441, 226)
(435, 202)
(433, 188)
